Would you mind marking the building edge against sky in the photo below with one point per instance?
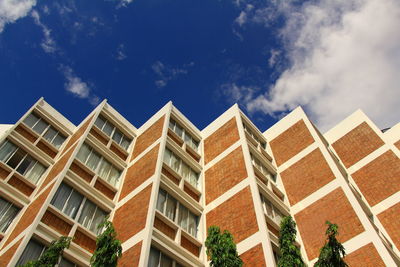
(164, 183)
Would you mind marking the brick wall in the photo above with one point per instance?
(225, 174)
(130, 257)
(306, 176)
(366, 256)
(333, 207)
(390, 220)
(148, 137)
(131, 217)
(139, 172)
(236, 215)
(397, 144)
(6, 257)
(220, 140)
(56, 223)
(291, 142)
(357, 144)
(254, 257)
(379, 179)
(77, 134)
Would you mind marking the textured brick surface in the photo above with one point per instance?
(306, 176)
(30, 137)
(397, 144)
(164, 228)
(131, 257)
(3, 172)
(131, 217)
(139, 172)
(98, 136)
(118, 152)
(236, 215)
(366, 256)
(56, 223)
(6, 257)
(390, 220)
(29, 215)
(104, 189)
(333, 207)
(225, 174)
(20, 185)
(84, 241)
(46, 149)
(189, 246)
(78, 133)
(254, 257)
(220, 140)
(82, 173)
(356, 144)
(380, 178)
(291, 142)
(148, 137)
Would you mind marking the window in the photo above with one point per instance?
(262, 143)
(23, 163)
(187, 173)
(168, 205)
(69, 202)
(182, 133)
(8, 212)
(34, 250)
(159, 259)
(261, 167)
(109, 129)
(272, 212)
(40, 126)
(88, 156)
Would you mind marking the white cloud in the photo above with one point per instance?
(12, 10)
(242, 18)
(48, 44)
(167, 73)
(121, 54)
(77, 87)
(343, 55)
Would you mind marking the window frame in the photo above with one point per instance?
(114, 130)
(9, 205)
(192, 143)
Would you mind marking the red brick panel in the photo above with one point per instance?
(390, 220)
(77, 134)
(306, 176)
(20, 185)
(29, 215)
(291, 142)
(82, 173)
(189, 246)
(3, 172)
(164, 228)
(6, 257)
(131, 217)
(131, 257)
(139, 172)
(366, 256)
(56, 223)
(254, 257)
(46, 149)
(220, 140)
(236, 215)
(334, 207)
(357, 144)
(84, 241)
(225, 174)
(397, 144)
(22, 131)
(380, 178)
(104, 189)
(148, 137)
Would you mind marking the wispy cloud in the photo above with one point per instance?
(166, 73)
(121, 54)
(76, 86)
(48, 44)
(342, 55)
(12, 10)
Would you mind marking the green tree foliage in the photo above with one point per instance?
(332, 253)
(52, 254)
(290, 254)
(108, 248)
(221, 249)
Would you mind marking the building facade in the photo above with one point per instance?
(164, 183)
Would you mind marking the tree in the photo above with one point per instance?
(221, 249)
(52, 254)
(108, 248)
(332, 253)
(290, 254)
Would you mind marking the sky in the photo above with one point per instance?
(329, 56)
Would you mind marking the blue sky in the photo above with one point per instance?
(204, 55)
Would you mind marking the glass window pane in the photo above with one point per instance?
(8, 212)
(183, 217)
(61, 196)
(165, 261)
(192, 227)
(6, 150)
(97, 219)
(188, 138)
(32, 251)
(108, 128)
(104, 169)
(59, 140)
(195, 144)
(31, 120)
(114, 176)
(16, 158)
(170, 208)
(73, 204)
(26, 165)
(83, 153)
(87, 213)
(178, 130)
(154, 257)
(185, 171)
(167, 157)
(117, 136)
(50, 134)
(100, 122)
(162, 196)
(36, 172)
(93, 160)
(175, 162)
(40, 126)
(125, 142)
(171, 124)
